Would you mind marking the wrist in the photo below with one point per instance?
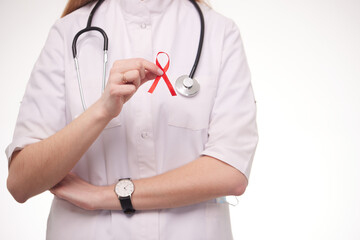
(107, 199)
(101, 113)
(95, 202)
(124, 189)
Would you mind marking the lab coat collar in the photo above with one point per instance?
(136, 7)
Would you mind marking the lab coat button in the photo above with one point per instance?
(143, 25)
(144, 135)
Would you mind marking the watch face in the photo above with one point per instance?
(124, 188)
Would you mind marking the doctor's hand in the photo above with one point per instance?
(126, 76)
(78, 192)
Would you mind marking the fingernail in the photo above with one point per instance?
(160, 72)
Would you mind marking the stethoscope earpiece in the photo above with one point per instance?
(187, 86)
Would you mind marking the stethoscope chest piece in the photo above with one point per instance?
(187, 86)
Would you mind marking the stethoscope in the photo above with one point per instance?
(186, 85)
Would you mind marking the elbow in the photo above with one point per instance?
(19, 195)
(238, 184)
(239, 189)
(13, 182)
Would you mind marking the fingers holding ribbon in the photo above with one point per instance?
(125, 78)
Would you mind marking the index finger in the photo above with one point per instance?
(151, 67)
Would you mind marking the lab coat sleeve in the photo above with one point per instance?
(232, 134)
(42, 109)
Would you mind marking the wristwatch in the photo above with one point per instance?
(124, 189)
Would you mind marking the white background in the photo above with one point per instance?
(305, 62)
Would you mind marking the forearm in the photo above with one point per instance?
(41, 165)
(203, 179)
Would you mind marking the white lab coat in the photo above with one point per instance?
(155, 132)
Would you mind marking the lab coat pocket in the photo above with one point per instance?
(115, 122)
(193, 113)
(92, 93)
(218, 224)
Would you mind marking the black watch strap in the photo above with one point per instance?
(126, 205)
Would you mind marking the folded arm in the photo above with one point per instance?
(200, 180)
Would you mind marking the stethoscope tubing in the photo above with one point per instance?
(89, 28)
(201, 40)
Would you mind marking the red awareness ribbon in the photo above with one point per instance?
(164, 76)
